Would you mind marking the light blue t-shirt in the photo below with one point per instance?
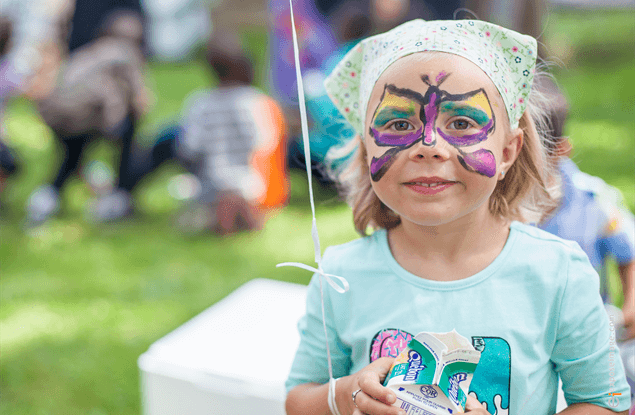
(534, 313)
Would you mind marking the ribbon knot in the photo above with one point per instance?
(330, 278)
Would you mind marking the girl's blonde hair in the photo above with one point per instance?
(529, 191)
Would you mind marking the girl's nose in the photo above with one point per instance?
(434, 149)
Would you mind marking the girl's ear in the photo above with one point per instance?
(511, 150)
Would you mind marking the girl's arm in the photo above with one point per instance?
(308, 398)
(585, 353)
(375, 399)
(588, 409)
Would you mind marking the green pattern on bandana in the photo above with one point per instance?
(507, 57)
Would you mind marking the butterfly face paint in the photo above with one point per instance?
(399, 105)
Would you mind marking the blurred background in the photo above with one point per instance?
(117, 224)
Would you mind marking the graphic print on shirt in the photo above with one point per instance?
(389, 343)
(491, 383)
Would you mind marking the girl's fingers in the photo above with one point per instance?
(369, 406)
(474, 406)
(371, 381)
(371, 386)
(472, 403)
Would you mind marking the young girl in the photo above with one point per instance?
(448, 165)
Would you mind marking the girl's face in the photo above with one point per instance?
(437, 138)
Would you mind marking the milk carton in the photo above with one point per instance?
(432, 374)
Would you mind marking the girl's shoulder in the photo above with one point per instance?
(542, 247)
(533, 234)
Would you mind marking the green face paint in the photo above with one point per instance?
(463, 110)
(389, 114)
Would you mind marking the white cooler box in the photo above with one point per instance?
(233, 358)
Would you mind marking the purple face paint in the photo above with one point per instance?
(481, 161)
(440, 77)
(431, 112)
(468, 139)
(379, 166)
(388, 139)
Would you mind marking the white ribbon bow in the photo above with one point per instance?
(329, 277)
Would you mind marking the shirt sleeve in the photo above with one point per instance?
(618, 238)
(311, 364)
(585, 354)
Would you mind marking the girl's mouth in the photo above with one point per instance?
(429, 188)
(429, 184)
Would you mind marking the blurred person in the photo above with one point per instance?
(88, 18)
(316, 42)
(591, 212)
(232, 139)
(387, 14)
(177, 29)
(350, 23)
(38, 35)
(8, 87)
(9, 84)
(100, 92)
(32, 36)
(525, 16)
(8, 165)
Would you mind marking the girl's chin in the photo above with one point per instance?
(444, 216)
(428, 220)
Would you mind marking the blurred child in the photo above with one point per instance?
(8, 165)
(232, 138)
(8, 87)
(31, 51)
(524, 16)
(592, 213)
(316, 43)
(328, 126)
(449, 163)
(100, 92)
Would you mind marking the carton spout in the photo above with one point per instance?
(453, 341)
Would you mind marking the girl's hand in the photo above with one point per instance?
(473, 406)
(374, 399)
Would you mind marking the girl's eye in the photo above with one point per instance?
(401, 126)
(460, 124)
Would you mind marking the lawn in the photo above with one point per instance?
(80, 303)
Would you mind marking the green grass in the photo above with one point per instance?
(80, 303)
(92, 299)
